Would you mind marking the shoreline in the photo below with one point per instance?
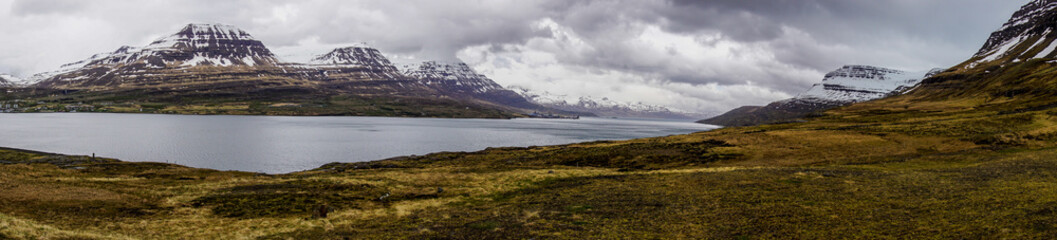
(342, 130)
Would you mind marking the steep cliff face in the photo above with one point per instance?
(847, 85)
(1029, 34)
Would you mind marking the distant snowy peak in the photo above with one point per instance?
(542, 98)
(356, 56)
(590, 102)
(599, 106)
(9, 81)
(857, 83)
(455, 76)
(847, 85)
(1029, 34)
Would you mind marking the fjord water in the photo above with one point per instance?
(286, 144)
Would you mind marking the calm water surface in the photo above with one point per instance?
(286, 144)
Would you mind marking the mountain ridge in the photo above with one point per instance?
(460, 79)
(603, 107)
(213, 63)
(847, 85)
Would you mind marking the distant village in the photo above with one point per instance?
(18, 106)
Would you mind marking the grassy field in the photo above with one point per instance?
(950, 192)
(928, 165)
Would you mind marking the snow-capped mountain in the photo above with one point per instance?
(847, 85)
(601, 106)
(203, 55)
(857, 83)
(212, 44)
(352, 64)
(461, 81)
(355, 57)
(1029, 34)
(457, 77)
(222, 60)
(195, 45)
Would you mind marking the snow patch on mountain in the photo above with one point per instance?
(200, 59)
(857, 83)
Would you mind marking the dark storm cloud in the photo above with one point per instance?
(818, 35)
(957, 22)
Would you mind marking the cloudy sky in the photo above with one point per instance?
(693, 55)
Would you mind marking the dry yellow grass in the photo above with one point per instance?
(16, 228)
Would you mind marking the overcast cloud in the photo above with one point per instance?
(694, 55)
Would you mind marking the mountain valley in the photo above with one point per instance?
(969, 152)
